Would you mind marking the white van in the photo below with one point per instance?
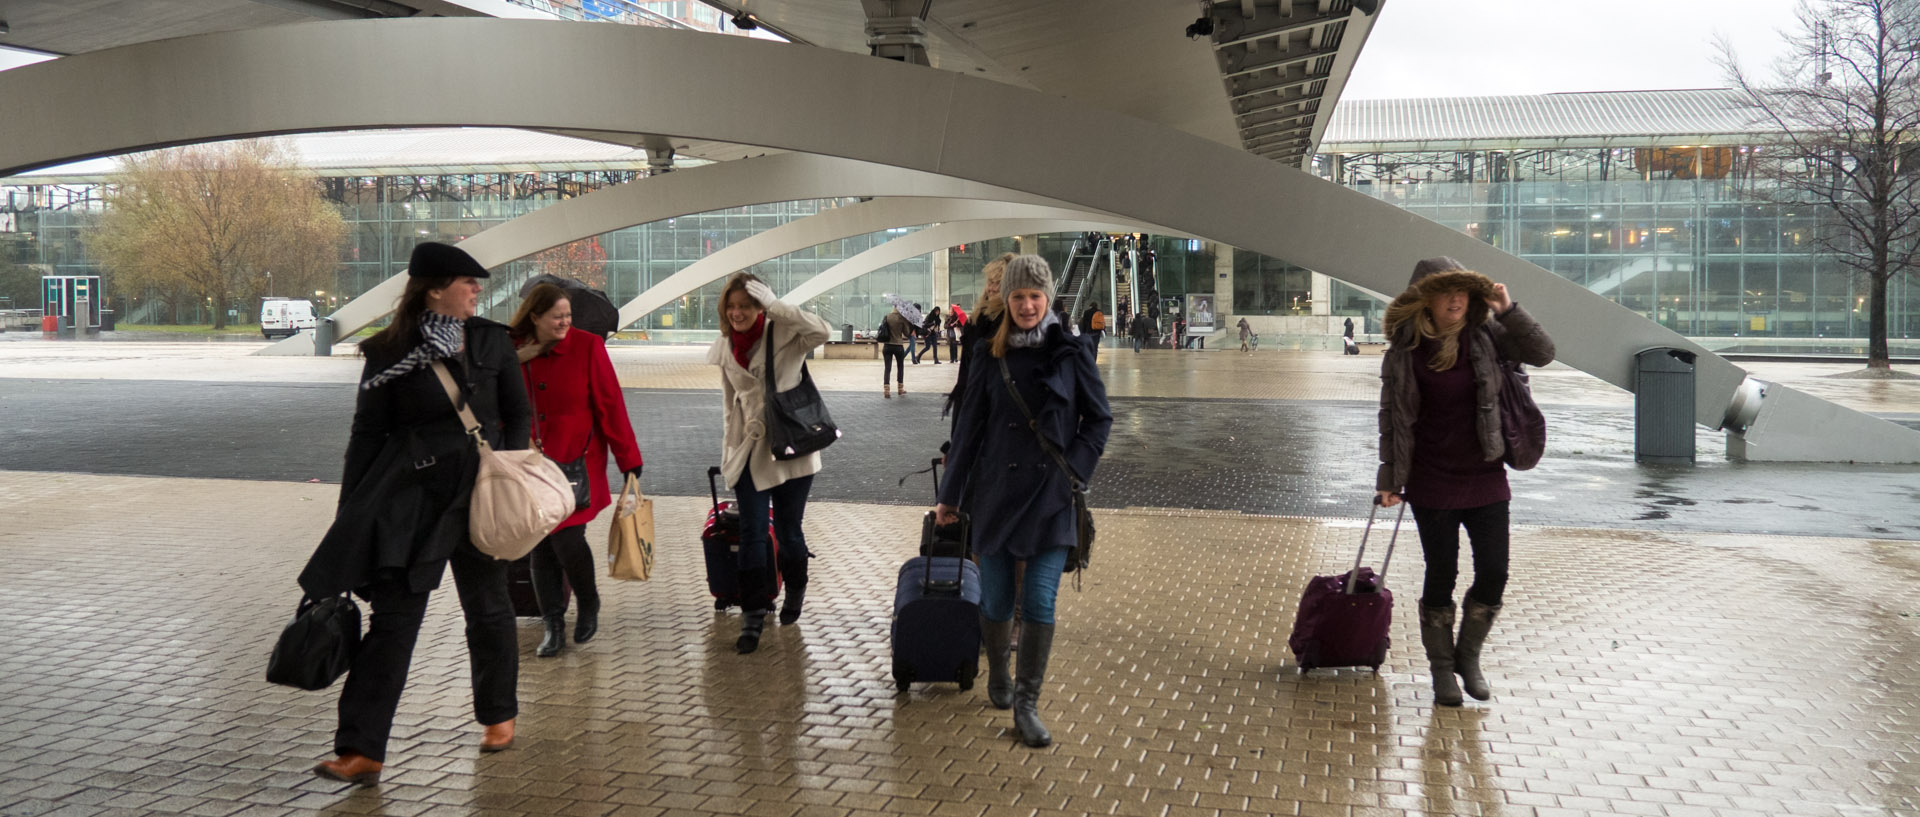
(285, 317)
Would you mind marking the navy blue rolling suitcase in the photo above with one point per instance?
(936, 609)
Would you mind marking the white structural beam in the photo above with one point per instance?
(420, 72)
(781, 177)
(948, 234)
(828, 225)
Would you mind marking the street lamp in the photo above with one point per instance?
(269, 284)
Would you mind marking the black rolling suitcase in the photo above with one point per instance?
(936, 608)
(520, 588)
(720, 541)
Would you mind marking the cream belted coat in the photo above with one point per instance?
(793, 332)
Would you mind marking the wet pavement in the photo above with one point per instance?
(1724, 640)
(1274, 457)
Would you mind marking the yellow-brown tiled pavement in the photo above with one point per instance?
(1635, 673)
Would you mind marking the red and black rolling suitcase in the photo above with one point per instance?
(720, 540)
(1344, 619)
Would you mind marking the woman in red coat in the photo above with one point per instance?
(578, 411)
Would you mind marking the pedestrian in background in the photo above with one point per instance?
(1246, 334)
(988, 310)
(1141, 330)
(404, 494)
(1441, 446)
(1024, 512)
(899, 334)
(750, 318)
(955, 320)
(930, 329)
(913, 338)
(579, 414)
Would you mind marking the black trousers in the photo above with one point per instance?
(379, 673)
(789, 501)
(1440, 543)
(932, 345)
(953, 350)
(564, 554)
(891, 353)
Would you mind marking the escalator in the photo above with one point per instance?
(1083, 271)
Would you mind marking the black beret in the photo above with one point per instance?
(432, 259)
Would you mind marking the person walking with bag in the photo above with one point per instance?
(1441, 449)
(404, 496)
(579, 416)
(988, 309)
(930, 331)
(751, 321)
(893, 350)
(1033, 422)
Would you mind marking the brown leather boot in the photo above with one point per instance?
(886, 391)
(350, 767)
(498, 737)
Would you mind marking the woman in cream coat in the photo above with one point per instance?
(750, 316)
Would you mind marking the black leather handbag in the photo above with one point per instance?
(575, 470)
(317, 647)
(797, 420)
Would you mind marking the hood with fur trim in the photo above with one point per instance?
(1479, 289)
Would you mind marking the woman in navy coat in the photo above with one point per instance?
(1022, 503)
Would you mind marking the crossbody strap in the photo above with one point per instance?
(1033, 425)
(466, 414)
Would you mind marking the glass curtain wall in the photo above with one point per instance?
(1675, 235)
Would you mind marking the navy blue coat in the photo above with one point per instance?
(1019, 500)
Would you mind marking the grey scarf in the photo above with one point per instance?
(1029, 338)
(444, 335)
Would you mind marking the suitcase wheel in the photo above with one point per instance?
(902, 678)
(966, 681)
(902, 684)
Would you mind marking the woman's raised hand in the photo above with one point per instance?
(1501, 301)
(759, 291)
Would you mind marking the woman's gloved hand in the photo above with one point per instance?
(759, 291)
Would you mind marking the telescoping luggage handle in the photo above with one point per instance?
(1353, 578)
(713, 473)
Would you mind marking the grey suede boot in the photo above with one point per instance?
(1436, 634)
(998, 638)
(1036, 646)
(1476, 620)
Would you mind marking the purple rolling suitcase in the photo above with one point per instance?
(1343, 619)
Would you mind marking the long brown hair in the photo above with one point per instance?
(540, 301)
(738, 283)
(400, 334)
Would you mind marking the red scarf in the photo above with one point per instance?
(743, 341)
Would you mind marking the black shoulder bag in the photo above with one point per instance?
(797, 419)
(317, 647)
(1082, 553)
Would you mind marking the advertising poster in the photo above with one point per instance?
(1200, 314)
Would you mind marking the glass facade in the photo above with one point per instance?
(383, 232)
(1676, 235)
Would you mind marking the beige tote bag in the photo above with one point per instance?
(630, 543)
(519, 497)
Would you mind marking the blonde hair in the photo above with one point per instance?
(1418, 308)
(995, 271)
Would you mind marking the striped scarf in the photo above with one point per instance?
(444, 336)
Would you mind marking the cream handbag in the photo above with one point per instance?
(519, 497)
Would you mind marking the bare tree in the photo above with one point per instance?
(214, 221)
(1846, 107)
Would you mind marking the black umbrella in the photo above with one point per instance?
(593, 311)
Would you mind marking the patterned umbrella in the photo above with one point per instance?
(907, 309)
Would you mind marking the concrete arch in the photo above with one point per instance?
(419, 72)
(780, 177)
(831, 225)
(941, 236)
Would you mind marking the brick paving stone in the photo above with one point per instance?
(1747, 690)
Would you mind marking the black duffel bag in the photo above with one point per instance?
(317, 647)
(797, 421)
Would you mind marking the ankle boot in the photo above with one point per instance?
(1036, 646)
(752, 623)
(998, 638)
(556, 637)
(497, 737)
(790, 607)
(886, 391)
(586, 621)
(1436, 634)
(1476, 620)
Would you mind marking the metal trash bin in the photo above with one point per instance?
(846, 333)
(325, 334)
(1663, 394)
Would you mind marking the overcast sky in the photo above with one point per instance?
(1428, 48)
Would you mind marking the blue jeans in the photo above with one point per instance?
(789, 500)
(1036, 598)
(1136, 344)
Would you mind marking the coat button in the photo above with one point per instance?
(543, 418)
(1013, 466)
(542, 387)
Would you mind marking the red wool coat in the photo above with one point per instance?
(577, 406)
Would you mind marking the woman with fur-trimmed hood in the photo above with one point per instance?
(1441, 447)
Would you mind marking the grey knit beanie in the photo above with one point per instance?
(1027, 272)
